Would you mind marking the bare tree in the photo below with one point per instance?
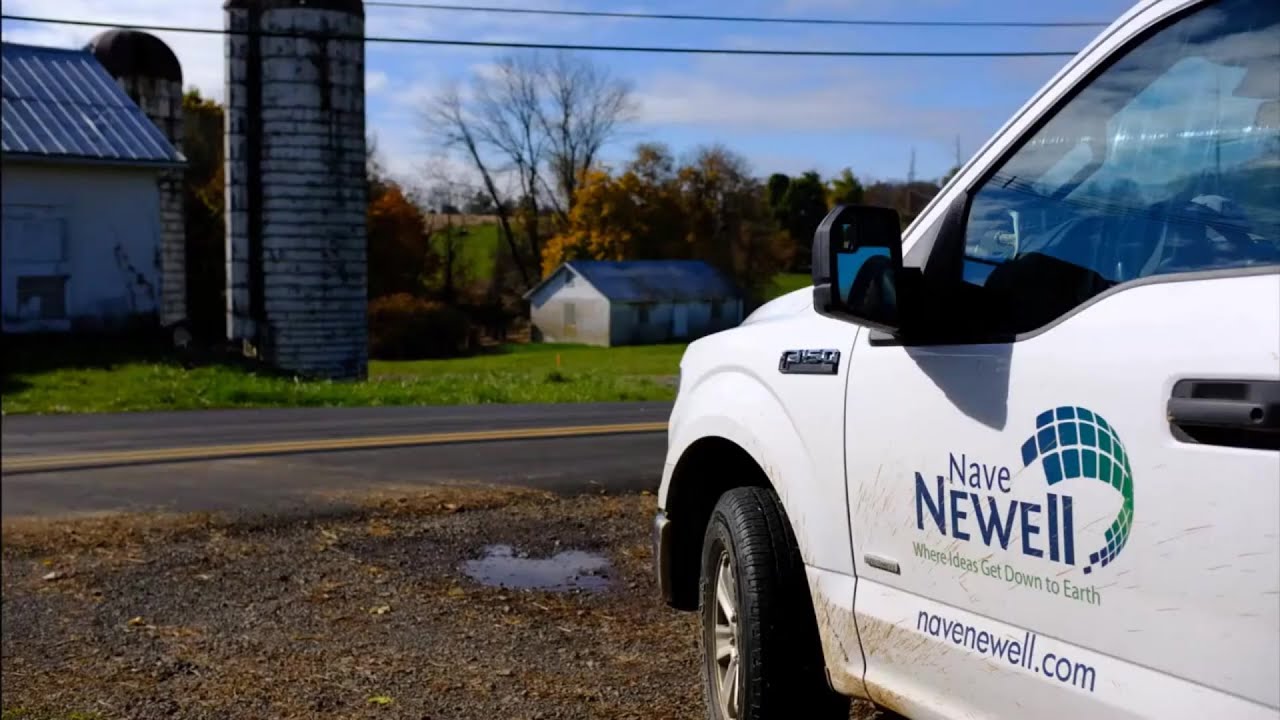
(445, 194)
(508, 110)
(448, 121)
(584, 108)
(544, 122)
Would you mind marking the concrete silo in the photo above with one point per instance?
(150, 74)
(296, 184)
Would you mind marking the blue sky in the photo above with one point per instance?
(783, 114)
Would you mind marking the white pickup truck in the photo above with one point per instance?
(1022, 460)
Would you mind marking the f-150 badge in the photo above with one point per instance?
(809, 362)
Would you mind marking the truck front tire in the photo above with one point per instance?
(761, 656)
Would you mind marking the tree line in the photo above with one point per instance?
(530, 132)
(532, 129)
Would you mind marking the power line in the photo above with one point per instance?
(550, 46)
(737, 18)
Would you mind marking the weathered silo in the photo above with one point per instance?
(296, 187)
(150, 74)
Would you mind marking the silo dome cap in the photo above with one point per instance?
(133, 53)
(350, 7)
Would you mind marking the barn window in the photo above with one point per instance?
(570, 314)
(43, 296)
(34, 233)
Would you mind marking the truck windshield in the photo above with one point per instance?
(1167, 161)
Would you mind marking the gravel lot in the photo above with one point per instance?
(356, 610)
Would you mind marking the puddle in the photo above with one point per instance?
(501, 566)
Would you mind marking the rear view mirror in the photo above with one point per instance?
(857, 260)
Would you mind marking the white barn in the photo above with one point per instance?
(633, 302)
(79, 183)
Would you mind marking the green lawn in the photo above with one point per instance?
(784, 283)
(517, 374)
(477, 250)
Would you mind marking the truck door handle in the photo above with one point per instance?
(1234, 413)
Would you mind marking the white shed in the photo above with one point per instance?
(633, 302)
(79, 183)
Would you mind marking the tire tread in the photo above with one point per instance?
(786, 666)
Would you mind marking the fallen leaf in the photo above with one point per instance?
(380, 610)
(456, 592)
(452, 507)
(55, 575)
(504, 673)
(136, 621)
(380, 700)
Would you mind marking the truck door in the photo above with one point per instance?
(1068, 509)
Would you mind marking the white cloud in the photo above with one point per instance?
(375, 81)
(769, 97)
(201, 56)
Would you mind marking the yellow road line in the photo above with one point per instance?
(210, 452)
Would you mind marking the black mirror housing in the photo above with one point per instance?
(857, 264)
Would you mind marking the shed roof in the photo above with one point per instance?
(653, 280)
(63, 104)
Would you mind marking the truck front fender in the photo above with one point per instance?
(796, 444)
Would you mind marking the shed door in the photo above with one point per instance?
(680, 321)
(570, 320)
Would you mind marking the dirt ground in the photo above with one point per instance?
(358, 611)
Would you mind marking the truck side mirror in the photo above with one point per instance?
(857, 264)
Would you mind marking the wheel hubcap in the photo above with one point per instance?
(726, 641)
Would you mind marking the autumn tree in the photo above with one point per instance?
(710, 208)
(400, 252)
(637, 214)
(728, 221)
(844, 189)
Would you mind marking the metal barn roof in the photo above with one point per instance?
(62, 104)
(655, 280)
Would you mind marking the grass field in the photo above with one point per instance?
(479, 248)
(39, 382)
(787, 282)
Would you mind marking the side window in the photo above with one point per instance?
(1167, 162)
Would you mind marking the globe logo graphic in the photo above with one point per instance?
(1073, 442)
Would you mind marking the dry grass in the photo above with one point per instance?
(356, 612)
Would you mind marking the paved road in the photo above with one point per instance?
(280, 481)
(48, 434)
